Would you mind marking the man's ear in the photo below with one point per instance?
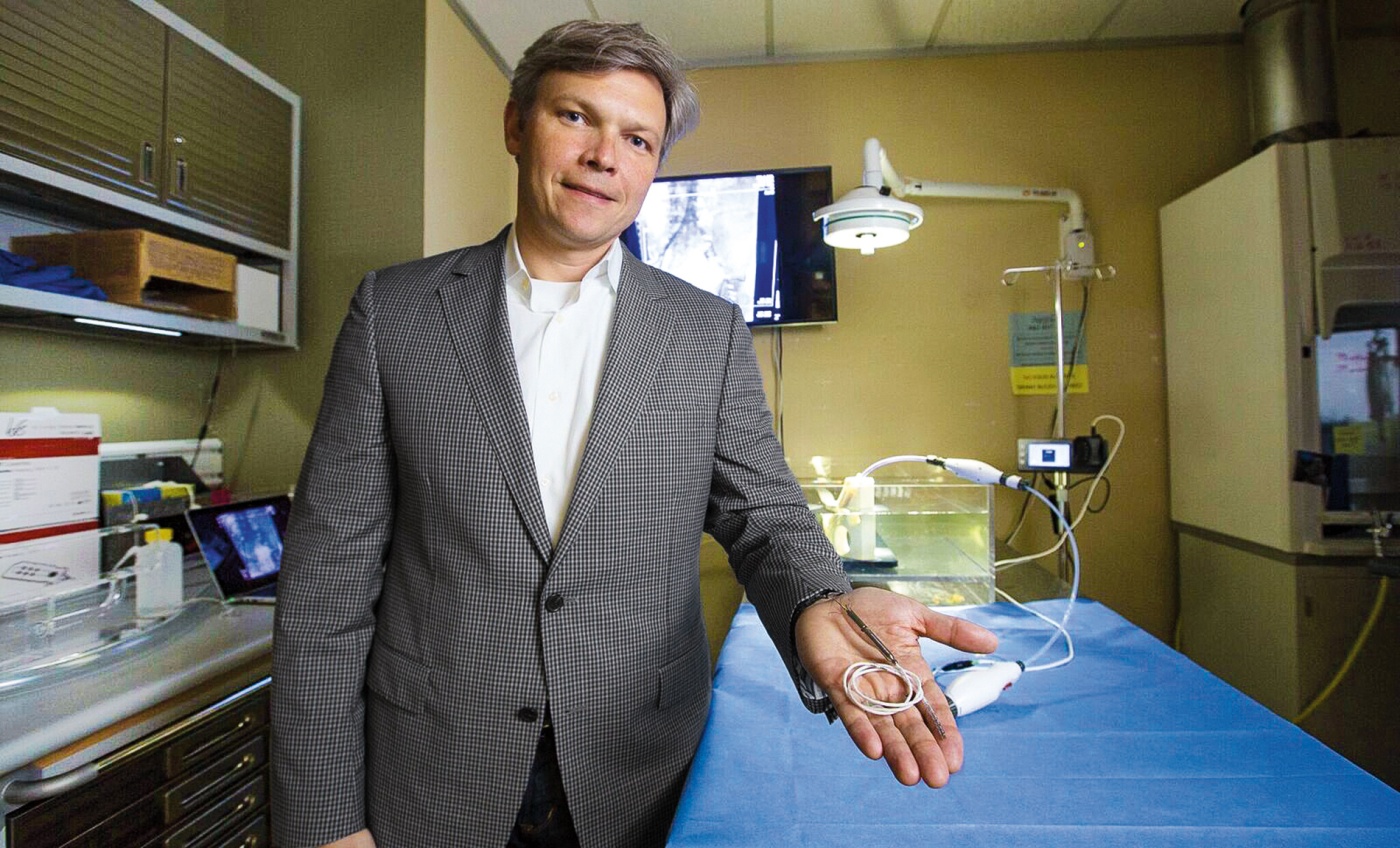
(513, 119)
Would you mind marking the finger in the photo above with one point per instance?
(899, 756)
(958, 633)
(952, 742)
(858, 727)
(924, 747)
(908, 746)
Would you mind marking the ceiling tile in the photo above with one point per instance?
(975, 23)
(1177, 19)
(513, 25)
(801, 26)
(714, 30)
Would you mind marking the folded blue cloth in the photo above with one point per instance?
(11, 263)
(16, 270)
(40, 277)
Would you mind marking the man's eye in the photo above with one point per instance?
(639, 143)
(572, 117)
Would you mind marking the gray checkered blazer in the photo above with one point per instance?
(424, 620)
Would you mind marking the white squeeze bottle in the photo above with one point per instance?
(160, 575)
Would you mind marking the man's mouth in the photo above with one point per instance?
(591, 192)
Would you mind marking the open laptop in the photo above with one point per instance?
(242, 545)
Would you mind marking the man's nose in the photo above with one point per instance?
(601, 155)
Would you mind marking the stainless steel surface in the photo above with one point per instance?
(1292, 86)
(47, 716)
(18, 792)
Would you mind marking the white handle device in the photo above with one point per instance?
(980, 685)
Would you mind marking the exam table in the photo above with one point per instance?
(1131, 744)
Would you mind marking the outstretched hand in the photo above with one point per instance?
(828, 642)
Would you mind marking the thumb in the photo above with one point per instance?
(957, 632)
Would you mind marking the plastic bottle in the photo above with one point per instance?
(160, 575)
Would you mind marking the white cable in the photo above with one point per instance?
(914, 689)
(1069, 641)
(1088, 499)
(891, 460)
(1073, 587)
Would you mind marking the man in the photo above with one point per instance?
(489, 627)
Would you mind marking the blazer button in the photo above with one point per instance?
(527, 714)
(553, 603)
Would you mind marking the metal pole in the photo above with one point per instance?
(1060, 479)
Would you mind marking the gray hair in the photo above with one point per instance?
(601, 46)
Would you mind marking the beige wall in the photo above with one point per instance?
(208, 16)
(468, 178)
(918, 362)
(360, 73)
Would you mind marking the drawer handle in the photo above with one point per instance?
(181, 174)
(148, 159)
(193, 798)
(248, 801)
(245, 722)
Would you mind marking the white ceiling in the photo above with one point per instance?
(730, 32)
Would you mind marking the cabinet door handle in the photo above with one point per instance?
(181, 175)
(148, 161)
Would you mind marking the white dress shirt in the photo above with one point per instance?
(560, 335)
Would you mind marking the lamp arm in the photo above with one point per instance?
(879, 172)
(972, 191)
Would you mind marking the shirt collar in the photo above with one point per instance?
(608, 270)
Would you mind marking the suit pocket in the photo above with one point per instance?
(684, 678)
(398, 679)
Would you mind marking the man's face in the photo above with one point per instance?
(587, 152)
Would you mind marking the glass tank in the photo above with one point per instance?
(911, 528)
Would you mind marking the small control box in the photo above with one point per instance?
(1080, 455)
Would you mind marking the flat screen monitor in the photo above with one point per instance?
(746, 236)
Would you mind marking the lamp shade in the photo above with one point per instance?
(866, 220)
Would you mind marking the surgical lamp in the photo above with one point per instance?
(867, 218)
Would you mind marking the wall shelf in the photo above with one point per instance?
(56, 313)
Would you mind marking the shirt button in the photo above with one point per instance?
(553, 603)
(553, 397)
(527, 714)
(544, 482)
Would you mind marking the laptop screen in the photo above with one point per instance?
(242, 542)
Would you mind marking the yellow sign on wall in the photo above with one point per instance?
(1040, 380)
(1033, 354)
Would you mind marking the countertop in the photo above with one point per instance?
(75, 716)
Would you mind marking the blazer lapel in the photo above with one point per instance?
(641, 335)
(474, 306)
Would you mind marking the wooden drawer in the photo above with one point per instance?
(208, 827)
(216, 734)
(255, 834)
(207, 784)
